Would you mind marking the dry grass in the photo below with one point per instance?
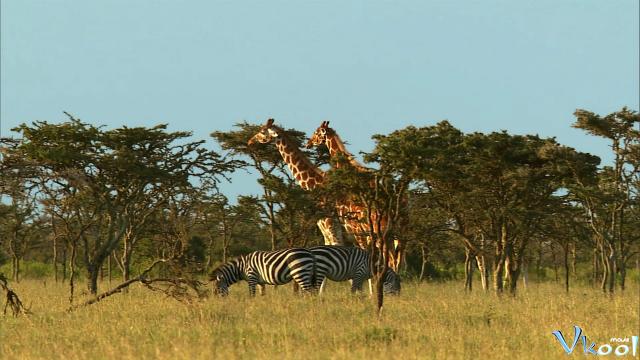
(437, 321)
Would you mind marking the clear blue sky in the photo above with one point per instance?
(367, 67)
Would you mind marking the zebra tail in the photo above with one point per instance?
(314, 274)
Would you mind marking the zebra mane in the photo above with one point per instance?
(220, 267)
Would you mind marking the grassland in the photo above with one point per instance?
(428, 321)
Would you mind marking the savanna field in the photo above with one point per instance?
(427, 321)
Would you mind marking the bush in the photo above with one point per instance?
(37, 270)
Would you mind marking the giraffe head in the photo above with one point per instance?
(266, 134)
(320, 135)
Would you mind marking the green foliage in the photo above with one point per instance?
(197, 249)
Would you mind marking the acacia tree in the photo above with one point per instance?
(104, 177)
(20, 219)
(517, 181)
(499, 185)
(611, 205)
(220, 220)
(426, 229)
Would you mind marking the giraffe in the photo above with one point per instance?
(354, 224)
(307, 175)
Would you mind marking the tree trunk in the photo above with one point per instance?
(272, 224)
(484, 271)
(482, 265)
(525, 273)
(126, 265)
(72, 272)
(513, 274)
(623, 275)
(539, 262)
(64, 265)
(209, 252)
(92, 278)
(425, 260)
(498, 273)
(468, 269)
(605, 273)
(611, 260)
(555, 262)
(573, 260)
(55, 259)
(127, 251)
(596, 271)
(15, 268)
(499, 262)
(566, 268)
(380, 290)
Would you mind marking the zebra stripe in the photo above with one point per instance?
(267, 267)
(340, 263)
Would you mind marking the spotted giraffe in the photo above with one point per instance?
(353, 213)
(307, 175)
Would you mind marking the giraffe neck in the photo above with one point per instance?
(353, 222)
(303, 170)
(335, 145)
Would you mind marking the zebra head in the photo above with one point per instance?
(226, 275)
(392, 283)
(220, 286)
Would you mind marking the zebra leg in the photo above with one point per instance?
(252, 285)
(262, 289)
(323, 286)
(356, 286)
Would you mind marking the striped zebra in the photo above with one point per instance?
(340, 263)
(392, 282)
(267, 267)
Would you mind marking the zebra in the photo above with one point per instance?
(340, 263)
(267, 267)
(392, 282)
